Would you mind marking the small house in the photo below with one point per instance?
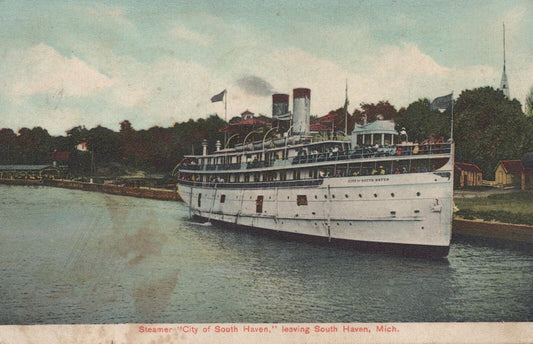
(509, 173)
(466, 174)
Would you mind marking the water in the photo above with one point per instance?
(69, 256)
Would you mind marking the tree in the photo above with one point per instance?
(34, 146)
(383, 109)
(104, 144)
(488, 128)
(529, 102)
(420, 122)
(7, 146)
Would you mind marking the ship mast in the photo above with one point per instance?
(346, 102)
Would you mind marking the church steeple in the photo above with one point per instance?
(504, 85)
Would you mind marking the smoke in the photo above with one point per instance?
(255, 85)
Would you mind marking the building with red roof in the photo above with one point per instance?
(246, 114)
(509, 173)
(467, 175)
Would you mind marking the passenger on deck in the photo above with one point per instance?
(403, 135)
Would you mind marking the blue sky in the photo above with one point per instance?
(68, 63)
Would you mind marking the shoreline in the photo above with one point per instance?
(140, 192)
(496, 230)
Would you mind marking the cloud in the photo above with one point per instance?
(255, 85)
(181, 32)
(41, 69)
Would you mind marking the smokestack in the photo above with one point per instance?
(301, 109)
(280, 104)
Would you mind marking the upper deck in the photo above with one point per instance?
(308, 154)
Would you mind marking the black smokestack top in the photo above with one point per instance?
(301, 93)
(280, 104)
(280, 98)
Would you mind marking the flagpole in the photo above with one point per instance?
(225, 114)
(346, 111)
(451, 131)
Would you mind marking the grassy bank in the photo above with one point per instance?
(516, 207)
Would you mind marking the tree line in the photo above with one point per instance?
(487, 128)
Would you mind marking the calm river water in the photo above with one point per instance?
(69, 256)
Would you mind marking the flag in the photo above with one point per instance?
(218, 97)
(441, 102)
(82, 146)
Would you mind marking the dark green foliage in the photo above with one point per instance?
(488, 128)
(154, 150)
(421, 122)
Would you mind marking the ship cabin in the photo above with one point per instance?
(299, 160)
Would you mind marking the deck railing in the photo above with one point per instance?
(357, 153)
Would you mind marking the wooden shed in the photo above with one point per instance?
(509, 173)
(466, 174)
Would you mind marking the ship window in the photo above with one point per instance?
(301, 200)
(392, 194)
(346, 195)
(418, 194)
(199, 200)
(375, 195)
(222, 198)
(360, 196)
(332, 196)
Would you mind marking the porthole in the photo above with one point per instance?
(350, 223)
(325, 196)
(346, 195)
(316, 196)
(375, 195)
(360, 196)
(418, 194)
(332, 196)
(392, 194)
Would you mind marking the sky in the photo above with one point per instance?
(154, 63)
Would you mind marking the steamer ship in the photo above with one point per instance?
(372, 189)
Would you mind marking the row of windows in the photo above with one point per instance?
(300, 199)
(341, 170)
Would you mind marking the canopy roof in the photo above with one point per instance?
(376, 127)
(25, 167)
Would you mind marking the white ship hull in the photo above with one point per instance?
(409, 210)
